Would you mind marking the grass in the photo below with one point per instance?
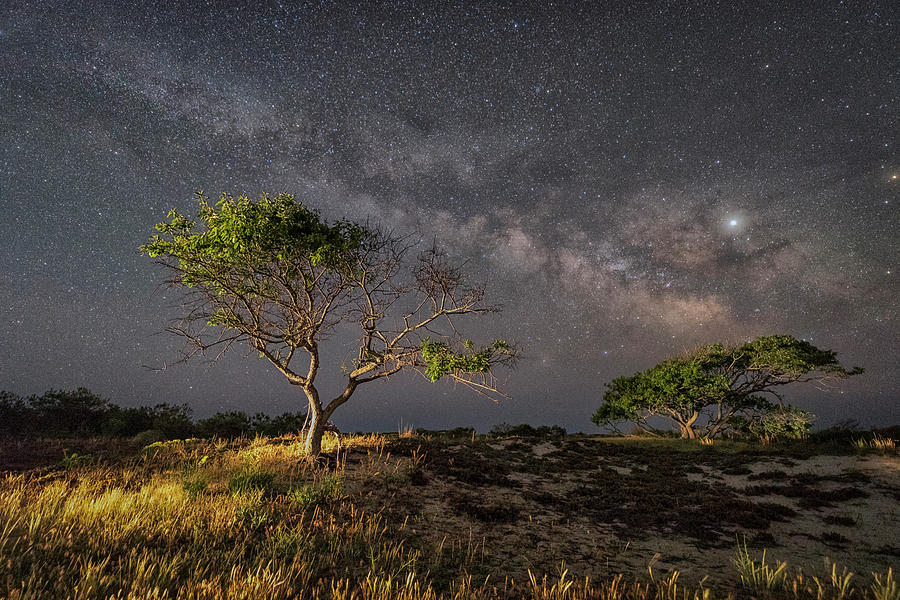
(875, 441)
(325, 491)
(257, 519)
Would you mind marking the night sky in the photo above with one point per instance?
(629, 179)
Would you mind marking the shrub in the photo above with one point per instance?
(148, 437)
(82, 413)
(71, 461)
(525, 430)
(62, 413)
(174, 420)
(225, 425)
(274, 426)
(784, 422)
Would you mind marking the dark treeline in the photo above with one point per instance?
(81, 413)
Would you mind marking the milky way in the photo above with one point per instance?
(629, 180)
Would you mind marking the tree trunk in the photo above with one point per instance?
(317, 420)
(320, 415)
(687, 430)
(317, 423)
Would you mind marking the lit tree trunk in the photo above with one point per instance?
(317, 421)
(319, 415)
(686, 425)
(313, 445)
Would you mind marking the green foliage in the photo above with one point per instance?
(326, 491)
(780, 423)
(74, 460)
(678, 383)
(241, 239)
(714, 385)
(441, 360)
(250, 481)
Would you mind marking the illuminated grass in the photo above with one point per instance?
(172, 523)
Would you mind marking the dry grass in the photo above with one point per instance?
(406, 517)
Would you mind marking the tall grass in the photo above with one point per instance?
(257, 520)
(876, 441)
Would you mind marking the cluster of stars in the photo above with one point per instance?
(638, 189)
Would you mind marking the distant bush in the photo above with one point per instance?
(55, 413)
(525, 430)
(237, 423)
(841, 433)
(81, 413)
(148, 437)
(456, 432)
(262, 424)
(225, 425)
(16, 416)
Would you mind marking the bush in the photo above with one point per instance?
(841, 433)
(127, 422)
(60, 413)
(150, 436)
(225, 425)
(782, 423)
(262, 424)
(82, 413)
(74, 460)
(251, 513)
(17, 418)
(174, 420)
(525, 430)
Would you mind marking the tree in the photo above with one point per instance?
(272, 274)
(708, 390)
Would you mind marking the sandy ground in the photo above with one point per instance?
(841, 508)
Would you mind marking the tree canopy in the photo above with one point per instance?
(714, 387)
(273, 274)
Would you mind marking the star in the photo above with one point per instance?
(440, 125)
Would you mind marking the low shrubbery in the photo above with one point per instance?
(81, 413)
(525, 430)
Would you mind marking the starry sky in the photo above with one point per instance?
(629, 179)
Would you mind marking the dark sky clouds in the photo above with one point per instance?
(629, 180)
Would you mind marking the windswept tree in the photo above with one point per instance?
(273, 275)
(712, 388)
